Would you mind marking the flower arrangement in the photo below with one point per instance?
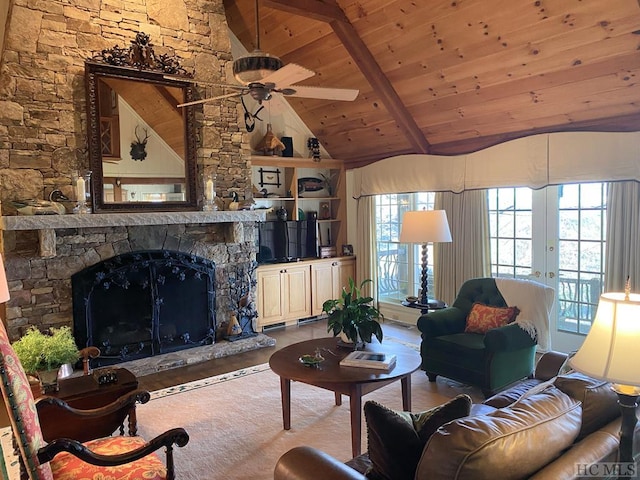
(38, 351)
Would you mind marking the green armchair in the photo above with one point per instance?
(498, 358)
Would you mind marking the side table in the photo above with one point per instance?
(84, 392)
(424, 308)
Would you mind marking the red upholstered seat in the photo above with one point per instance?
(67, 467)
(59, 459)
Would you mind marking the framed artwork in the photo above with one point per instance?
(347, 249)
(325, 211)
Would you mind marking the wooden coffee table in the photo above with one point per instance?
(352, 381)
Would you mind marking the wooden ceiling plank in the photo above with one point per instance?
(376, 78)
(624, 63)
(370, 69)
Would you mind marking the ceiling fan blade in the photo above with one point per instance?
(288, 75)
(210, 99)
(322, 93)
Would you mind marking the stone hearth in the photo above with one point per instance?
(167, 361)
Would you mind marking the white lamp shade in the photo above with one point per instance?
(610, 351)
(424, 226)
(4, 288)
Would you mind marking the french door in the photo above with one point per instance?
(555, 236)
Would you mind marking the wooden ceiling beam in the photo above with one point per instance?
(323, 12)
(363, 58)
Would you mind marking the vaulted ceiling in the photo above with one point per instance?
(453, 76)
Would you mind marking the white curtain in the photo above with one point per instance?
(366, 246)
(468, 255)
(622, 258)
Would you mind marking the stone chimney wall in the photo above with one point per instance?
(43, 124)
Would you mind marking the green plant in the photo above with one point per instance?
(354, 315)
(38, 351)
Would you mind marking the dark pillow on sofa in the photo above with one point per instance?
(396, 439)
(599, 401)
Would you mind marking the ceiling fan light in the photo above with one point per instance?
(255, 66)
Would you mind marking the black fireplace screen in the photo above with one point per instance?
(144, 303)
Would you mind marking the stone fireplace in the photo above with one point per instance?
(43, 253)
(43, 137)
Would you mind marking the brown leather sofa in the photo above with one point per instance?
(538, 430)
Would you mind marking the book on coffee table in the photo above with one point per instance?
(383, 361)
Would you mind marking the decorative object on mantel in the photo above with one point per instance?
(81, 184)
(38, 207)
(209, 193)
(314, 148)
(270, 145)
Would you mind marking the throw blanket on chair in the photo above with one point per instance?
(535, 302)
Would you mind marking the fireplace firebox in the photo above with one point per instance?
(144, 303)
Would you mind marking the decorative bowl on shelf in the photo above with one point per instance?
(312, 361)
(412, 299)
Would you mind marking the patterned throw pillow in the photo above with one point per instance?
(483, 318)
(396, 439)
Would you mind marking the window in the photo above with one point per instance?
(399, 265)
(572, 214)
(510, 227)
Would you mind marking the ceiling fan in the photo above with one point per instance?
(262, 75)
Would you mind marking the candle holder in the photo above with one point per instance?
(209, 204)
(81, 184)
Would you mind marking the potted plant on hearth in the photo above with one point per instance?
(42, 354)
(353, 317)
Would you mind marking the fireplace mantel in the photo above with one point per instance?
(46, 225)
(52, 222)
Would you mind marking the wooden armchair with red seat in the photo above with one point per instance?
(65, 459)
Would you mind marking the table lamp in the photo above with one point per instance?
(610, 352)
(424, 226)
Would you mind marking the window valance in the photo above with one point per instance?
(535, 161)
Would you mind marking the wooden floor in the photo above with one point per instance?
(284, 336)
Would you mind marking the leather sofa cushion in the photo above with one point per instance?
(512, 443)
(599, 401)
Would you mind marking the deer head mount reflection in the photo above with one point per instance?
(138, 147)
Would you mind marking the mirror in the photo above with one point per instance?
(141, 144)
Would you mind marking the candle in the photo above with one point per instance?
(80, 190)
(209, 191)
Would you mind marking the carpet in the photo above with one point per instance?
(234, 421)
(235, 424)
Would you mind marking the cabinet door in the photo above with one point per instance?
(342, 271)
(322, 288)
(269, 295)
(297, 292)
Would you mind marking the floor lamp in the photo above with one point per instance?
(610, 352)
(424, 226)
